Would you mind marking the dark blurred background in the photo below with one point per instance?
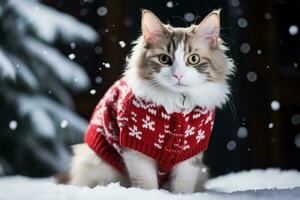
(260, 127)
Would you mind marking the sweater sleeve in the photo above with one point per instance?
(102, 134)
(105, 116)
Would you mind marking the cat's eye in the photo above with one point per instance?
(193, 59)
(165, 59)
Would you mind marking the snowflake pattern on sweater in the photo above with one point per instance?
(125, 120)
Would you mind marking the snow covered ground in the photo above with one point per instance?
(250, 185)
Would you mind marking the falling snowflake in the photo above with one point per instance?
(242, 132)
(189, 131)
(102, 11)
(270, 125)
(170, 4)
(189, 17)
(204, 170)
(259, 52)
(98, 79)
(268, 16)
(73, 45)
(93, 92)
(245, 48)
(122, 44)
(293, 30)
(242, 22)
(13, 125)
(251, 76)
(275, 105)
(295, 119)
(64, 124)
(231, 145)
(72, 56)
(107, 65)
(135, 132)
(148, 124)
(200, 136)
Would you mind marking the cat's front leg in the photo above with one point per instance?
(188, 176)
(142, 170)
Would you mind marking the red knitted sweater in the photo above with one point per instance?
(123, 120)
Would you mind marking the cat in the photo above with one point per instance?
(182, 70)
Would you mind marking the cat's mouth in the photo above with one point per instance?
(179, 84)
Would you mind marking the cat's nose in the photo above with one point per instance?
(177, 75)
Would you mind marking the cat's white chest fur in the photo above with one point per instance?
(209, 95)
(171, 101)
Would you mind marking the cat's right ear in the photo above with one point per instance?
(152, 27)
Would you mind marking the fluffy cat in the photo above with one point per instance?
(179, 69)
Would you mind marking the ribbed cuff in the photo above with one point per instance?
(167, 159)
(98, 143)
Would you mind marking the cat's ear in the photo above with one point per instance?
(209, 28)
(152, 27)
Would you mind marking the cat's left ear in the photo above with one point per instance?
(209, 28)
(152, 27)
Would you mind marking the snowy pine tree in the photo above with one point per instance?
(36, 118)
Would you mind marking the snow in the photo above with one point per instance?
(44, 115)
(49, 24)
(72, 56)
(295, 119)
(54, 61)
(231, 145)
(293, 30)
(242, 22)
(242, 132)
(189, 17)
(102, 11)
(122, 44)
(268, 16)
(259, 52)
(13, 124)
(25, 76)
(73, 45)
(93, 92)
(7, 69)
(275, 105)
(170, 4)
(251, 185)
(245, 48)
(251, 76)
(64, 123)
(270, 125)
(107, 65)
(98, 79)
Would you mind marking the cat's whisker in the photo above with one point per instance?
(232, 108)
(231, 40)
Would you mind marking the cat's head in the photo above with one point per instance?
(183, 60)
